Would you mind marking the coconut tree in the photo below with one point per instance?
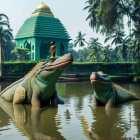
(95, 42)
(95, 50)
(106, 15)
(135, 43)
(123, 48)
(82, 55)
(5, 34)
(91, 6)
(107, 53)
(80, 40)
(117, 38)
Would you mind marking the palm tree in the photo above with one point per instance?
(106, 15)
(5, 34)
(80, 40)
(91, 7)
(117, 38)
(122, 48)
(82, 55)
(135, 43)
(107, 53)
(95, 42)
(95, 50)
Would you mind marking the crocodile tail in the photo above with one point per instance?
(125, 90)
(26, 76)
(17, 82)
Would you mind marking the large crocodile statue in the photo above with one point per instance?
(38, 87)
(108, 93)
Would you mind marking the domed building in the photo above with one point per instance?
(39, 31)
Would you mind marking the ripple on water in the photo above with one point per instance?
(77, 119)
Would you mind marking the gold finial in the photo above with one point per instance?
(40, 8)
(43, 7)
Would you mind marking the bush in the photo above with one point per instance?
(22, 68)
(17, 68)
(108, 68)
(136, 69)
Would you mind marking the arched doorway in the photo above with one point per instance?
(27, 45)
(44, 50)
(62, 49)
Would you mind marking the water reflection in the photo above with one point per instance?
(76, 91)
(4, 120)
(76, 119)
(136, 110)
(122, 123)
(35, 124)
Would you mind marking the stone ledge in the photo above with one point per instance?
(73, 77)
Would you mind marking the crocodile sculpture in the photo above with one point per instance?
(38, 87)
(108, 93)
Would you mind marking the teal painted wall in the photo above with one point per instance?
(39, 47)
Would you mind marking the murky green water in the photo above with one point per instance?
(75, 120)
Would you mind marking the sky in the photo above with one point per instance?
(69, 12)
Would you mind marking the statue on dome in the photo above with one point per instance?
(52, 51)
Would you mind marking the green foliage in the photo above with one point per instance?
(5, 31)
(122, 49)
(134, 46)
(114, 68)
(107, 53)
(17, 68)
(80, 40)
(117, 37)
(136, 69)
(107, 10)
(95, 52)
(21, 53)
(107, 16)
(5, 36)
(127, 49)
(127, 77)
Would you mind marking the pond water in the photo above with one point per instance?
(75, 120)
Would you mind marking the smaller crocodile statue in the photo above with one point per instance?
(108, 93)
(38, 87)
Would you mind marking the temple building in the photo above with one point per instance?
(39, 31)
